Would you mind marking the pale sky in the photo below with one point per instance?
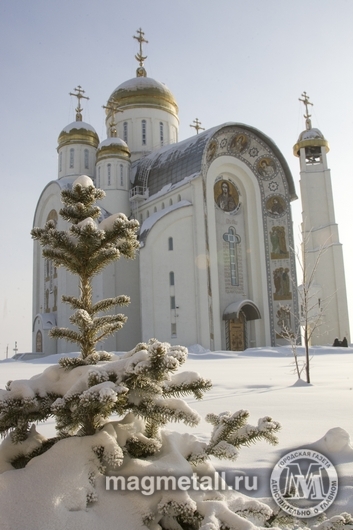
(239, 61)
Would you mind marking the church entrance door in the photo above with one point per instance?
(236, 329)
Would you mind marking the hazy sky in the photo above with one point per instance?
(240, 61)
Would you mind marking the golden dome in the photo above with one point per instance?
(78, 132)
(144, 92)
(113, 147)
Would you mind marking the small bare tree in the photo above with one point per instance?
(290, 333)
(312, 306)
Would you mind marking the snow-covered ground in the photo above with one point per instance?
(260, 380)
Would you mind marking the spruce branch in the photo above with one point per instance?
(231, 431)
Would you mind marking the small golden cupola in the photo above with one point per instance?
(77, 144)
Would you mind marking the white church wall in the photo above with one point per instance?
(159, 309)
(45, 276)
(332, 299)
(73, 160)
(194, 192)
(116, 187)
(152, 117)
(68, 284)
(122, 278)
(43, 343)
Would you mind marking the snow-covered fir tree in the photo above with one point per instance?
(111, 410)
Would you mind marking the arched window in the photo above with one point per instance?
(39, 342)
(161, 133)
(72, 157)
(61, 161)
(147, 213)
(53, 216)
(109, 168)
(155, 209)
(174, 135)
(125, 131)
(170, 243)
(143, 132)
(163, 206)
(121, 175)
(86, 158)
(170, 202)
(179, 198)
(171, 278)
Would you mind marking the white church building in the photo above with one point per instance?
(215, 265)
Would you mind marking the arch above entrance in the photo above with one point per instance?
(247, 307)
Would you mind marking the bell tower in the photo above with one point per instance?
(322, 254)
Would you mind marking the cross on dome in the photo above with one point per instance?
(197, 126)
(307, 116)
(140, 72)
(79, 95)
(114, 109)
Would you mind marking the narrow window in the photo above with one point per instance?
(143, 132)
(86, 158)
(121, 175)
(109, 174)
(173, 134)
(173, 329)
(171, 278)
(161, 133)
(155, 209)
(39, 342)
(99, 177)
(147, 213)
(170, 243)
(172, 302)
(125, 131)
(163, 206)
(72, 154)
(179, 198)
(170, 202)
(61, 161)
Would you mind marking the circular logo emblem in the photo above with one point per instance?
(304, 483)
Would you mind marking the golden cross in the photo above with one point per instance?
(306, 103)
(114, 109)
(139, 57)
(79, 95)
(197, 126)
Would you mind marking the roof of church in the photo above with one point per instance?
(173, 163)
